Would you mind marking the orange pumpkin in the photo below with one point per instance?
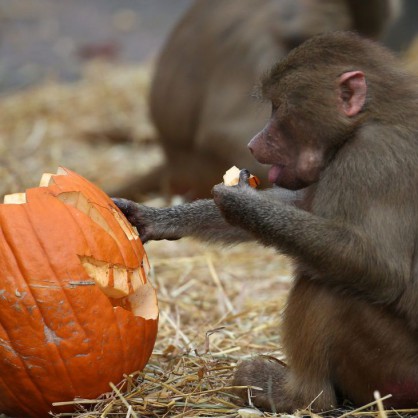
(76, 308)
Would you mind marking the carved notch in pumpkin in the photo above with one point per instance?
(15, 199)
(20, 198)
(47, 179)
(79, 201)
(117, 282)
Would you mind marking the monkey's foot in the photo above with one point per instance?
(267, 376)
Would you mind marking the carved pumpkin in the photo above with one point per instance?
(76, 308)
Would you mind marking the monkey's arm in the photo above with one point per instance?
(351, 257)
(200, 219)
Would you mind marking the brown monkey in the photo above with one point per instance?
(201, 92)
(343, 133)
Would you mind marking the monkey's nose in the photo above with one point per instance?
(251, 145)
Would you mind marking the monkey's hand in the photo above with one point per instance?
(231, 199)
(151, 223)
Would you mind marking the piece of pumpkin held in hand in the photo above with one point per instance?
(231, 178)
(76, 308)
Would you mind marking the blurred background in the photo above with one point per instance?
(74, 84)
(41, 39)
(74, 77)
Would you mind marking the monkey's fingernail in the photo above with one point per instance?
(118, 202)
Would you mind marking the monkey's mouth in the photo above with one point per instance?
(275, 173)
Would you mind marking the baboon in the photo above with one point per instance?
(343, 136)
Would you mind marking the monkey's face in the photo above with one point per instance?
(294, 163)
(312, 116)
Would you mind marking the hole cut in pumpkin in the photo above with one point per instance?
(126, 288)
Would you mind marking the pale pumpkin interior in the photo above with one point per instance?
(231, 177)
(15, 199)
(115, 281)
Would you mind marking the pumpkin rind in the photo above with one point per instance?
(61, 337)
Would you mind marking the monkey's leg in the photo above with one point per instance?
(307, 380)
(334, 339)
(374, 349)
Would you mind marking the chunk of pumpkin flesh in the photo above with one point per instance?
(231, 178)
(15, 199)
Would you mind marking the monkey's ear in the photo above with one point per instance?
(352, 92)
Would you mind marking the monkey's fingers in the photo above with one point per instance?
(130, 210)
(244, 178)
(124, 205)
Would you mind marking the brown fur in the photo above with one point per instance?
(344, 126)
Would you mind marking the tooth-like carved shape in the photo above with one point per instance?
(46, 180)
(115, 281)
(118, 282)
(15, 199)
